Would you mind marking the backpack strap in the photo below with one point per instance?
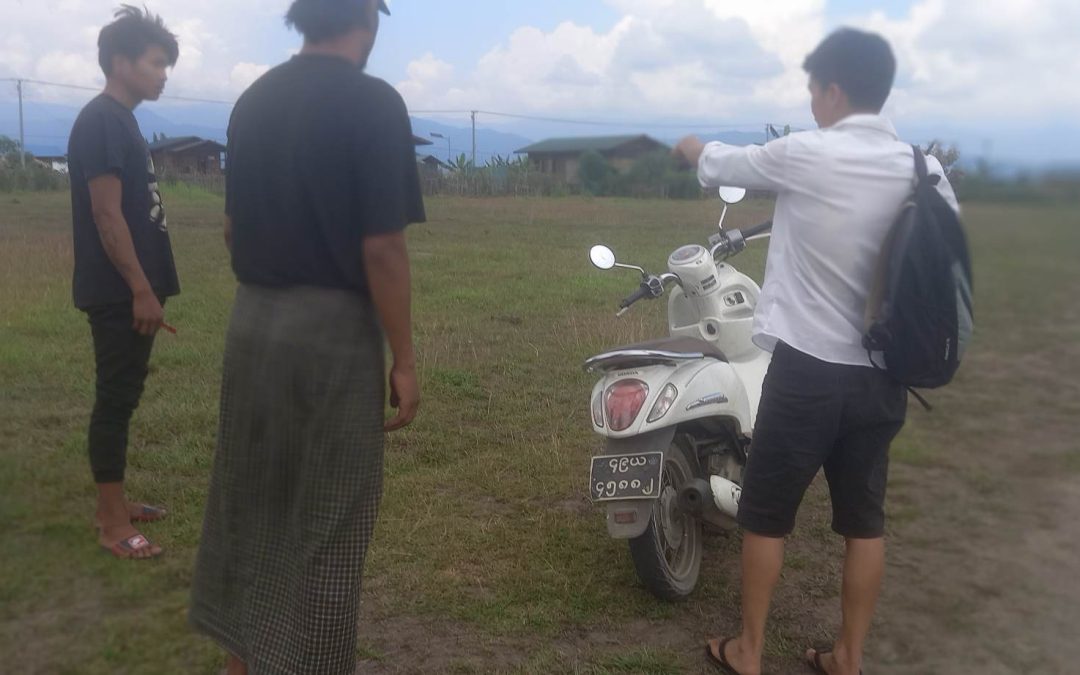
(926, 405)
(922, 401)
(922, 173)
(870, 357)
(876, 297)
(920, 163)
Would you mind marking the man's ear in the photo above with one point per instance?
(837, 98)
(119, 61)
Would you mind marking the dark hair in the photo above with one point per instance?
(319, 20)
(131, 34)
(861, 64)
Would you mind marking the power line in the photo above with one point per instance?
(598, 123)
(440, 112)
(84, 88)
(633, 123)
(491, 113)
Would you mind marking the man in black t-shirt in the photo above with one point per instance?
(321, 181)
(123, 260)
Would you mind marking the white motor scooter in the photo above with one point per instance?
(677, 413)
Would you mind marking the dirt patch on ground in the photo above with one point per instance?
(413, 645)
(986, 581)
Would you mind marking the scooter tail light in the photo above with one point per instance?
(623, 402)
(598, 410)
(664, 403)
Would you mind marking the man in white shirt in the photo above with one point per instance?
(823, 404)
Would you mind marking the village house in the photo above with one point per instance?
(562, 156)
(187, 156)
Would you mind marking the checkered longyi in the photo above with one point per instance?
(296, 482)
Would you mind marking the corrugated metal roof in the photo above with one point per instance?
(166, 143)
(585, 144)
(181, 143)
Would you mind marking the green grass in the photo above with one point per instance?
(485, 524)
(637, 661)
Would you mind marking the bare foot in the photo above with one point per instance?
(138, 513)
(125, 542)
(145, 512)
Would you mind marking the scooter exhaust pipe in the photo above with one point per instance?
(696, 497)
(713, 497)
(725, 495)
(701, 497)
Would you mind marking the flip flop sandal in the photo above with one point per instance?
(126, 549)
(149, 514)
(720, 661)
(817, 666)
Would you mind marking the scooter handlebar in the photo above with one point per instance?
(732, 242)
(651, 287)
(757, 229)
(642, 292)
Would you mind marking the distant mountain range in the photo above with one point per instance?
(48, 126)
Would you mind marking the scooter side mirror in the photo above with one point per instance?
(732, 195)
(602, 256)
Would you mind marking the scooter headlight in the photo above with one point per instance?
(623, 401)
(664, 403)
(598, 409)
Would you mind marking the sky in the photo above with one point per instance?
(997, 76)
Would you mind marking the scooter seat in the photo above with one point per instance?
(665, 350)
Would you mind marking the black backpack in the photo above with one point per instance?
(919, 313)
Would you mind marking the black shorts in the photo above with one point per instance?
(815, 414)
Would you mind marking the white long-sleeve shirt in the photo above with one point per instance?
(839, 191)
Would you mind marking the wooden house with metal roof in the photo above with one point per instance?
(562, 156)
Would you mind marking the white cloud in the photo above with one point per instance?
(429, 68)
(244, 74)
(649, 61)
(1004, 61)
(14, 55)
(427, 78)
(962, 62)
(57, 42)
(721, 60)
(57, 66)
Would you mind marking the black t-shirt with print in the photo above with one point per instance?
(106, 139)
(320, 156)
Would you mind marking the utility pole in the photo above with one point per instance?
(473, 138)
(22, 133)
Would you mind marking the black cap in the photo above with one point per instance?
(383, 8)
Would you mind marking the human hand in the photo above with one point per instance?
(404, 396)
(148, 313)
(688, 151)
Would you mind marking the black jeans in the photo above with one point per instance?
(122, 357)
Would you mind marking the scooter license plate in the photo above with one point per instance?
(619, 477)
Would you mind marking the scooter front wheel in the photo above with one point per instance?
(668, 554)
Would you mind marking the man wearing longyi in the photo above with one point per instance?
(320, 185)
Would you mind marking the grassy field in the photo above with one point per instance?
(488, 555)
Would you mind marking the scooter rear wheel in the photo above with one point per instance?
(667, 556)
